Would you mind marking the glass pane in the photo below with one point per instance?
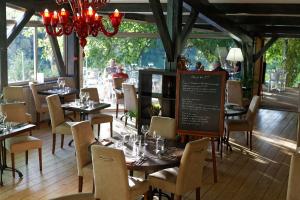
(130, 54)
(46, 61)
(20, 57)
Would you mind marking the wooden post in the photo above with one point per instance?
(72, 58)
(174, 23)
(57, 55)
(258, 68)
(3, 46)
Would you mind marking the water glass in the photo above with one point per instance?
(160, 145)
(77, 102)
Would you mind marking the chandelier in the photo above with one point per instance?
(84, 21)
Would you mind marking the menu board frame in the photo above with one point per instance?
(220, 131)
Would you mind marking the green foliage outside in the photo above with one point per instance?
(284, 54)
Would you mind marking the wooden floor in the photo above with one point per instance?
(261, 174)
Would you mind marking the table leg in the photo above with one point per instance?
(3, 165)
(213, 154)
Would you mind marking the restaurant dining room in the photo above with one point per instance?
(149, 99)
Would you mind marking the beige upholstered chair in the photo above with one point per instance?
(58, 122)
(294, 178)
(244, 124)
(188, 176)
(40, 107)
(111, 176)
(163, 126)
(13, 93)
(235, 93)
(130, 101)
(83, 137)
(98, 118)
(22, 143)
(79, 196)
(117, 84)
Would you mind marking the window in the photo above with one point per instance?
(30, 52)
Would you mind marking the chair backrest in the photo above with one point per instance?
(191, 166)
(83, 137)
(117, 82)
(93, 92)
(36, 98)
(163, 126)
(252, 110)
(56, 112)
(110, 173)
(13, 93)
(234, 92)
(130, 99)
(294, 178)
(15, 112)
(69, 81)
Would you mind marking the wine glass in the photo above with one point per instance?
(144, 130)
(63, 83)
(58, 83)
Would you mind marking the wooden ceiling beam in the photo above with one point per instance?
(19, 26)
(265, 20)
(258, 8)
(215, 18)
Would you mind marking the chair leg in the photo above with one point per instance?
(37, 119)
(117, 110)
(111, 129)
(247, 137)
(146, 196)
(62, 141)
(26, 157)
(126, 120)
(172, 196)
(251, 140)
(198, 193)
(179, 197)
(40, 159)
(12, 156)
(53, 143)
(80, 183)
(98, 131)
(159, 194)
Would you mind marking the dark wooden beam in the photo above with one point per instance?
(57, 55)
(188, 26)
(162, 28)
(265, 20)
(215, 18)
(72, 58)
(258, 30)
(19, 26)
(258, 8)
(130, 7)
(174, 23)
(3, 46)
(35, 5)
(265, 48)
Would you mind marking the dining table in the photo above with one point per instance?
(145, 156)
(232, 110)
(15, 130)
(84, 109)
(61, 92)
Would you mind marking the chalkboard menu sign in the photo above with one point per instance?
(200, 103)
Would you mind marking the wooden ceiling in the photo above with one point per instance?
(242, 21)
(265, 18)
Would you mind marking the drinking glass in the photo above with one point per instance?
(160, 145)
(58, 83)
(63, 83)
(144, 130)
